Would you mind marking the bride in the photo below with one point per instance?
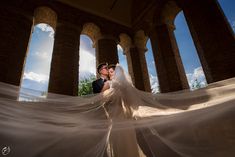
(120, 122)
(122, 142)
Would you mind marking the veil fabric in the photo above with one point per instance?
(120, 122)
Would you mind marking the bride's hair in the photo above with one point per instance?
(112, 66)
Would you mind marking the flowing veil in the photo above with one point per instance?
(120, 122)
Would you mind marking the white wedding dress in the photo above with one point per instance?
(120, 122)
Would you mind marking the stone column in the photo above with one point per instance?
(169, 66)
(137, 68)
(65, 58)
(213, 38)
(15, 32)
(106, 50)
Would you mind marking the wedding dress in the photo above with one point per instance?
(120, 122)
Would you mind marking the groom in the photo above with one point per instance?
(100, 84)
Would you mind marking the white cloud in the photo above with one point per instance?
(154, 83)
(189, 78)
(86, 44)
(43, 55)
(40, 78)
(52, 34)
(198, 72)
(197, 77)
(87, 63)
(46, 28)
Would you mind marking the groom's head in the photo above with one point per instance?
(102, 69)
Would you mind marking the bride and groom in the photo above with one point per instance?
(122, 142)
(106, 73)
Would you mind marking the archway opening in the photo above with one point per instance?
(87, 65)
(192, 65)
(153, 78)
(122, 58)
(37, 63)
(87, 60)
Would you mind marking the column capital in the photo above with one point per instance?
(171, 26)
(105, 36)
(140, 40)
(167, 24)
(127, 49)
(142, 49)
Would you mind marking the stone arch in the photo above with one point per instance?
(45, 15)
(92, 31)
(125, 42)
(170, 11)
(47, 18)
(167, 14)
(140, 39)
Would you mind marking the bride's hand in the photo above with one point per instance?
(106, 86)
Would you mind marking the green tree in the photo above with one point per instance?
(196, 84)
(85, 85)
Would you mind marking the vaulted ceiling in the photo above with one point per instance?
(115, 10)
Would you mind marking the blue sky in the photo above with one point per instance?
(228, 7)
(37, 66)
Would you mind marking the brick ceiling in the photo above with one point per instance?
(118, 11)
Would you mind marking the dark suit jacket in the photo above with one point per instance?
(97, 85)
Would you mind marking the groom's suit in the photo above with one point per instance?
(98, 84)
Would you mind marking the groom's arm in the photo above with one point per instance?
(98, 86)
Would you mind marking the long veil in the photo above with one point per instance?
(120, 121)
